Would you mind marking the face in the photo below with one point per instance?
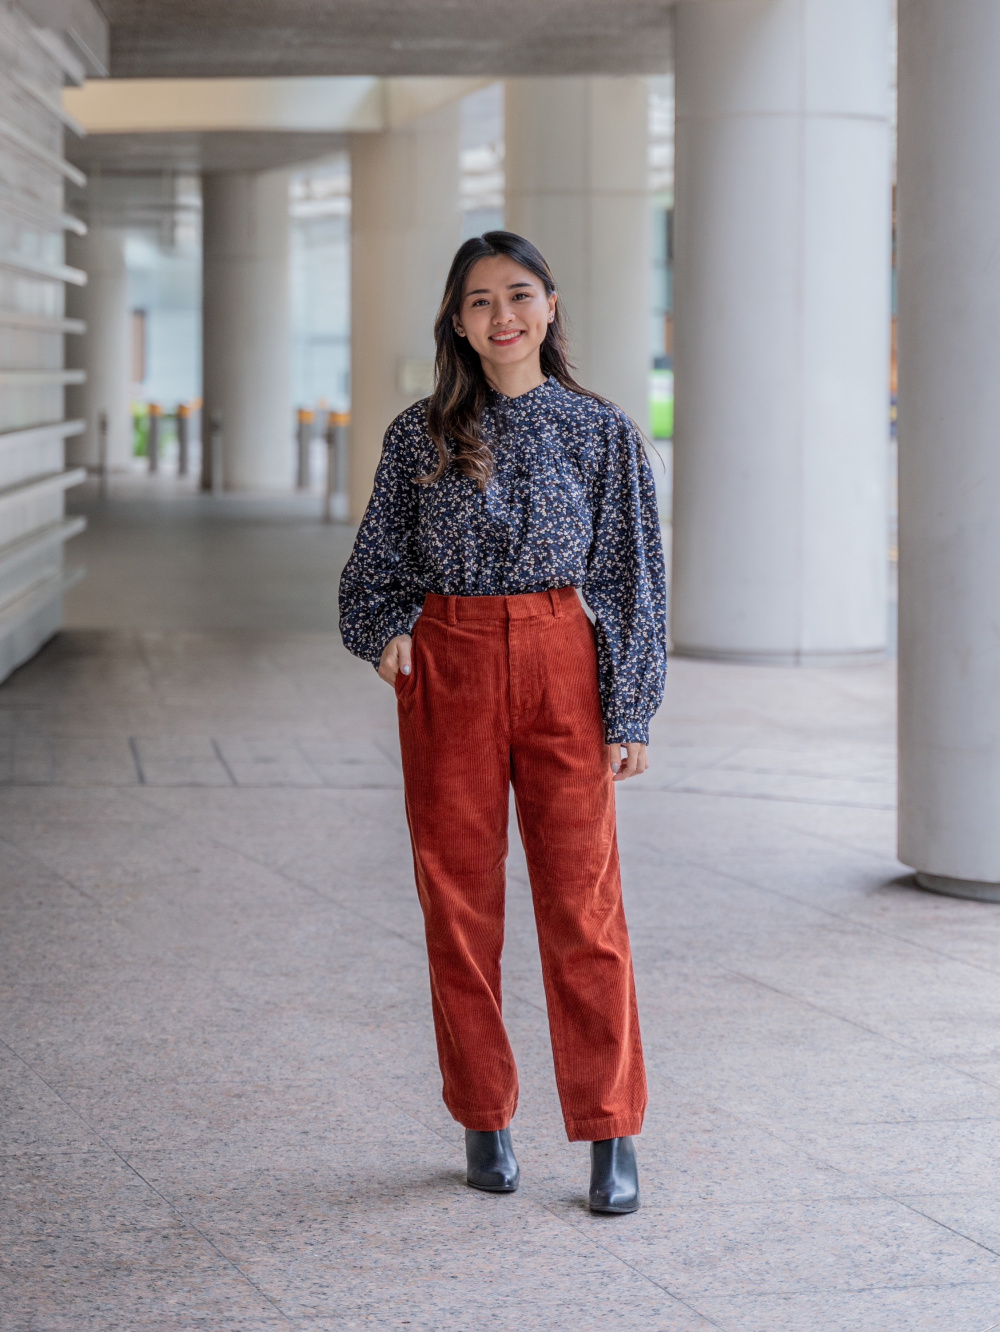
(505, 312)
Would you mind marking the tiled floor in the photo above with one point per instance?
(220, 1105)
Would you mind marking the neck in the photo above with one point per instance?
(514, 380)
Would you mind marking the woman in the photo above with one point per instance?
(495, 499)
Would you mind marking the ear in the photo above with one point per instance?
(552, 305)
(457, 326)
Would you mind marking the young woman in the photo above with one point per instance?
(495, 499)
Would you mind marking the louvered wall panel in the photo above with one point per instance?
(33, 274)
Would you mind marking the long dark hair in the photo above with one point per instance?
(455, 410)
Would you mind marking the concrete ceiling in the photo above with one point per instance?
(238, 38)
(218, 150)
(193, 125)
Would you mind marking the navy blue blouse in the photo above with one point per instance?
(571, 503)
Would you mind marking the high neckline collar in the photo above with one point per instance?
(498, 399)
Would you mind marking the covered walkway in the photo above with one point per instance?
(221, 1105)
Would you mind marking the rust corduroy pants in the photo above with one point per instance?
(503, 690)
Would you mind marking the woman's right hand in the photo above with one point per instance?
(395, 658)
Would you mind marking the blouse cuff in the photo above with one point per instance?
(391, 631)
(626, 731)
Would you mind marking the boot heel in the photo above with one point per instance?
(490, 1160)
(614, 1177)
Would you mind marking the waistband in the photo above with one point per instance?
(498, 610)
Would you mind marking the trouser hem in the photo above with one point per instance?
(482, 1121)
(608, 1126)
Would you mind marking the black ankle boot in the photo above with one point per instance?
(614, 1176)
(491, 1163)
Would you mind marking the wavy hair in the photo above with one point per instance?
(455, 410)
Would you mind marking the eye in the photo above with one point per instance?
(523, 295)
(480, 301)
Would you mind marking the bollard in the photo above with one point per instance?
(153, 439)
(196, 429)
(304, 442)
(335, 501)
(183, 438)
(322, 416)
(215, 453)
(102, 456)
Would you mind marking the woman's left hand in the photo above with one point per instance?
(631, 764)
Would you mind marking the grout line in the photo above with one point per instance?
(704, 767)
(941, 1062)
(775, 799)
(62, 878)
(588, 1235)
(336, 902)
(289, 878)
(944, 1226)
(836, 915)
(222, 759)
(133, 745)
(152, 1187)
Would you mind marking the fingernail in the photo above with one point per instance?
(615, 767)
(406, 670)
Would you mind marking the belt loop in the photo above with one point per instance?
(453, 610)
(556, 603)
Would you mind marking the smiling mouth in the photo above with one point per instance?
(505, 339)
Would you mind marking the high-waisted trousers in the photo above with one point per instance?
(503, 691)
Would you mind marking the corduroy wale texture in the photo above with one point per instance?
(504, 690)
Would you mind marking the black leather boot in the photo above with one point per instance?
(491, 1162)
(614, 1176)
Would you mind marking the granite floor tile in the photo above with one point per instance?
(360, 1243)
(921, 1308)
(360, 763)
(34, 1118)
(791, 787)
(87, 1243)
(180, 760)
(226, 983)
(974, 1214)
(267, 762)
(913, 1156)
(67, 760)
(797, 1247)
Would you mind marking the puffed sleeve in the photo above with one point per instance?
(625, 587)
(379, 597)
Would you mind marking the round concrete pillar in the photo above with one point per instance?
(949, 465)
(781, 299)
(405, 228)
(104, 351)
(246, 328)
(577, 187)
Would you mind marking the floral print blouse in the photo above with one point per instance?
(571, 503)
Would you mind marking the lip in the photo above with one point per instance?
(507, 338)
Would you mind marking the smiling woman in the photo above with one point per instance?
(497, 498)
(502, 302)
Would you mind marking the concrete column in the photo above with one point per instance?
(949, 465)
(405, 229)
(781, 298)
(246, 328)
(576, 186)
(104, 351)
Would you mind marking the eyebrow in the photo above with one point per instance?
(485, 291)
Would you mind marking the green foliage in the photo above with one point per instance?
(661, 404)
(140, 429)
